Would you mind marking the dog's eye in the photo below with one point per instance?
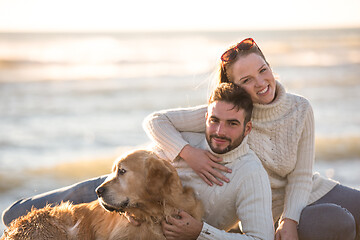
(121, 171)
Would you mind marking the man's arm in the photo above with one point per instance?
(253, 209)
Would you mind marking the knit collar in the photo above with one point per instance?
(273, 110)
(231, 156)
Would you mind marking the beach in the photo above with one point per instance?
(70, 103)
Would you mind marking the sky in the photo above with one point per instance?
(173, 15)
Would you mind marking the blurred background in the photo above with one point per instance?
(77, 78)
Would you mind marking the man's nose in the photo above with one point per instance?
(220, 130)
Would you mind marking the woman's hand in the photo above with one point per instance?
(185, 228)
(287, 230)
(205, 164)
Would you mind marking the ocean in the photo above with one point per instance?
(71, 102)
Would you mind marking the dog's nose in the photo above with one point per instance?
(100, 191)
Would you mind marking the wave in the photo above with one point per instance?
(338, 158)
(31, 57)
(69, 171)
(337, 148)
(81, 169)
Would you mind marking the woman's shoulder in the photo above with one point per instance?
(297, 97)
(298, 101)
(289, 98)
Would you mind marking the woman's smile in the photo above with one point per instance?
(253, 74)
(263, 91)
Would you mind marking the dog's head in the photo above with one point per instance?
(137, 178)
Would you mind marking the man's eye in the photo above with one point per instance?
(121, 171)
(213, 120)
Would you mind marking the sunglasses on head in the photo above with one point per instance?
(231, 54)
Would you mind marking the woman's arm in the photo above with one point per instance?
(299, 184)
(164, 129)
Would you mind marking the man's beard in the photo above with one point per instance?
(232, 145)
(219, 151)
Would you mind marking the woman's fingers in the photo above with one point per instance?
(213, 170)
(206, 165)
(217, 175)
(210, 177)
(205, 179)
(215, 163)
(214, 176)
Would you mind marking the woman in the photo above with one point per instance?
(306, 205)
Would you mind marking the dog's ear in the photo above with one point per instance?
(158, 175)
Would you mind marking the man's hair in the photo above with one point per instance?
(234, 94)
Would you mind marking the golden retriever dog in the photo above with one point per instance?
(141, 185)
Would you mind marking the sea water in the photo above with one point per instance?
(71, 102)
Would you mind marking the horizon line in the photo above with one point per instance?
(178, 30)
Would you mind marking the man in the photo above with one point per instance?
(247, 195)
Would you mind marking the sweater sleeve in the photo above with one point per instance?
(299, 184)
(253, 203)
(164, 127)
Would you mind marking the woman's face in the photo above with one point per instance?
(253, 74)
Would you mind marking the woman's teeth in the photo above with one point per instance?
(264, 90)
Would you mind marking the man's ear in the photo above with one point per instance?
(248, 128)
(158, 174)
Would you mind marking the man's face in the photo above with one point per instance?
(225, 127)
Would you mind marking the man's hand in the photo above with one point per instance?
(205, 164)
(287, 230)
(185, 228)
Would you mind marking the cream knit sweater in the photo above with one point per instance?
(247, 198)
(282, 137)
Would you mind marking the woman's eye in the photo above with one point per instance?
(246, 80)
(121, 171)
(262, 70)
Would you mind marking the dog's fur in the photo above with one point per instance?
(142, 185)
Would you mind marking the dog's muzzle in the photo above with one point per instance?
(111, 208)
(100, 191)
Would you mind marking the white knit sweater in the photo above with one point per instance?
(247, 198)
(282, 137)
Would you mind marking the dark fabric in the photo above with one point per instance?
(335, 216)
(82, 192)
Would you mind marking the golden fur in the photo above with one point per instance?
(140, 184)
